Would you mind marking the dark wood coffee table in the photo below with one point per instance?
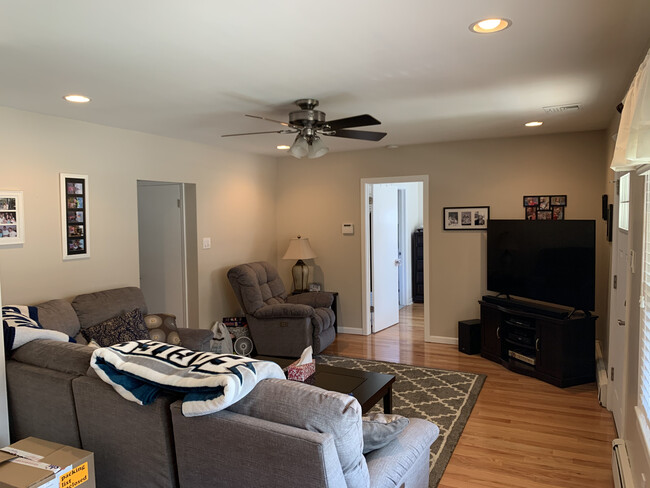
(367, 387)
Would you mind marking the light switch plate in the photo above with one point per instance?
(207, 243)
(347, 229)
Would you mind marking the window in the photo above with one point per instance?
(624, 202)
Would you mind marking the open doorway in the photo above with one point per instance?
(168, 249)
(393, 209)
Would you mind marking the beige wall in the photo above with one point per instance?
(316, 197)
(236, 196)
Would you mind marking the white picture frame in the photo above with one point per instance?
(12, 219)
(75, 216)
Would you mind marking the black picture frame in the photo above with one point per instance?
(465, 218)
(75, 217)
(545, 207)
(531, 201)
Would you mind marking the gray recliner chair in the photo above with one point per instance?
(281, 325)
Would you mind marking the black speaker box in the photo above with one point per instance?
(469, 336)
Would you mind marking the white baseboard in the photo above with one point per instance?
(601, 375)
(442, 340)
(350, 330)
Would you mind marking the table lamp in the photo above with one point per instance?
(299, 249)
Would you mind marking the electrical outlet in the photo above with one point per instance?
(207, 243)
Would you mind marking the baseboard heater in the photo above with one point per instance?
(621, 470)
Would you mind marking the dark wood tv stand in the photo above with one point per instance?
(560, 351)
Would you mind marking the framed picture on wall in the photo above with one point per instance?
(465, 218)
(74, 216)
(12, 222)
(545, 207)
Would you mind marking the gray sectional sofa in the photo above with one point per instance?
(283, 434)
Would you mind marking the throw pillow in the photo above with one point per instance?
(127, 327)
(380, 428)
(162, 328)
(20, 326)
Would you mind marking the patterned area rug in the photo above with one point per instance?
(446, 398)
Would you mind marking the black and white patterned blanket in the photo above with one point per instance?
(139, 370)
(20, 326)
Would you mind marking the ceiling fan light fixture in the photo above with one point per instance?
(300, 148)
(488, 26)
(317, 148)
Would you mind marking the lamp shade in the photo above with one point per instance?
(299, 248)
(317, 148)
(299, 148)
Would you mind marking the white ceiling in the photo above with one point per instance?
(191, 69)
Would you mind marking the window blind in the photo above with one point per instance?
(644, 339)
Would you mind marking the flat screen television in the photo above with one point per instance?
(547, 260)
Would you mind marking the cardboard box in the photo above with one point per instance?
(33, 462)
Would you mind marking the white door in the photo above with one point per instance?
(162, 273)
(385, 261)
(617, 327)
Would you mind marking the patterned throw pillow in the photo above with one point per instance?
(129, 326)
(379, 429)
(162, 328)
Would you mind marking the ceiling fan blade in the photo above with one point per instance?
(356, 121)
(284, 131)
(270, 120)
(365, 135)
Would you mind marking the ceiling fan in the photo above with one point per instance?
(309, 124)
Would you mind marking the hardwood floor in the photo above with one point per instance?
(522, 432)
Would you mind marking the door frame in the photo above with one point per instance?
(189, 255)
(365, 245)
(402, 243)
(618, 409)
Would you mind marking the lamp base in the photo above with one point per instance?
(300, 272)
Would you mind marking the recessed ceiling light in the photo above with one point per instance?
(392, 146)
(283, 147)
(533, 124)
(488, 26)
(77, 98)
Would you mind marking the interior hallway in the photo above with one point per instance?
(522, 432)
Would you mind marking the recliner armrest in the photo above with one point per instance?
(283, 310)
(316, 299)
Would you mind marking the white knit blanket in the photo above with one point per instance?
(139, 370)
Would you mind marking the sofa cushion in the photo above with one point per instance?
(65, 357)
(317, 410)
(41, 404)
(93, 308)
(396, 464)
(379, 429)
(162, 328)
(58, 315)
(126, 327)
